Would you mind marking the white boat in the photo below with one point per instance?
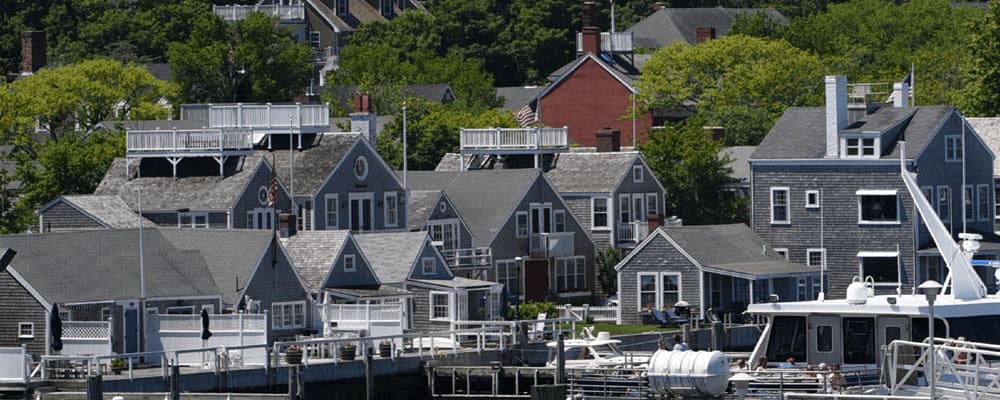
(595, 352)
(869, 332)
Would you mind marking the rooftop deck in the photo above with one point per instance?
(514, 140)
(296, 12)
(617, 42)
(197, 142)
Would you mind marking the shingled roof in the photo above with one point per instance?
(313, 253)
(667, 25)
(107, 210)
(194, 187)
(231, 255)
(102, 265)
(320, 154)
(392, 255)
(484, 197)
(800, 133)
(575, 172)
(419, 206)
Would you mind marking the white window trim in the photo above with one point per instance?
(971, 198)
(877, 143)
(193, 216)
(352, 263)
(952, 156)
(655, 197)
(362, 197)
(607, 213)
(781, 251)
(336, 210)
(517, 224)
(385, 209)
(637, 174)
(280, 306)
(801, 285)
(557, 215)
(822, 252)
(812, 205)
(788, 209)
(341, 11)
(20, 330)
(951, 206)
(424, 262)
(450, 305)
(577, 261)
(658, 279)
(879, 192)
(983, 188)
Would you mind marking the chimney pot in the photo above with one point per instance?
(357, 102)
(609, 140)
(704, 34)
(588, 10)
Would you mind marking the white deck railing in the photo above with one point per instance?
(514, 138)
(584, 312)
(239, 12)
(619, 42)
(633, 232)
(469, 258)
(174, 332)
(278, 117)
(198, 140)
(322, 55)
(554, 244)
(86, 337)
(13, 364)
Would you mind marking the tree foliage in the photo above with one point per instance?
(741, 83)
(251, 60)
(984, 92)
(685, 160)
(432, 130)
(607, 277)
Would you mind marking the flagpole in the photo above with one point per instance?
(404, 146)
(913, 92)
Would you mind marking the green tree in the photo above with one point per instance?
(84, 94)
(251, 60)
(607, 277)
(432, 130)
(741, 83)
(73, 165)
(984, 92)
(685, 160)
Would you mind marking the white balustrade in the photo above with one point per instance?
(514, 138)
(553, 244)
(269, 116)
(188, 140)
(632, 231)
(239, 12)
(13, 367)
(619, 42)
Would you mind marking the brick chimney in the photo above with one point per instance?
(658, 5)
(32, 51)
(704, 33)
(590, 32)
(286, 225)
(362, 119)
(609, 140)
(653, 222)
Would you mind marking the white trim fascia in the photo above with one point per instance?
(937, 131)
(618, 278)
(340, 162)
(458, 214)
(638, 248)
(876, 192)
(323, 16)
(569, 71)
(513, 209)
(568, 212)
(381, 161)
(877, 254)
(447, 268)
(978, 139)
(844, 162)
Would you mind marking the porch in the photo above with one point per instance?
(513, 140)
(468, 259)
(284, 12)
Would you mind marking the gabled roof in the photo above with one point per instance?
(195, 187)
(319, 156)
(314, 253)
(420, 205)
(618, 66)
(107, 210)
(730, 249)
(667, 25)
(989, 131)
(800, 133)
(575, 172)
(102, 265)
(486, 198)
(392, 255)
(515, 97)
(231, 255)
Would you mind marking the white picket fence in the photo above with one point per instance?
(179, 332)
(581, 313)
(86, 337)
(374, 319)
(13, 367)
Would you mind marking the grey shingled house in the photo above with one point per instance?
(76, 212)
(519, 215)
(432, 211)
(95, 276)
(717, 267)
(826, 186)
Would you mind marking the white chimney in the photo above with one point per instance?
(836, 112)
(900, 94)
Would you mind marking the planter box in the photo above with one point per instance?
(293, 357)
(347, 353)
(385, 350)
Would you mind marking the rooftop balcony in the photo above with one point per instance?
(514, 140)
(283, 12)
(474, 258)
(617, 42)
(552, 244)
(262, 119)
(175, 144)
(632, 232)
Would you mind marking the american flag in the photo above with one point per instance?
(526, 116)
(272, 192)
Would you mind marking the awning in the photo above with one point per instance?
(876, 192)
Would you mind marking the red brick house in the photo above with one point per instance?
(595, 91)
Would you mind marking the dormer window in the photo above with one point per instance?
(341, 7)
(859, 147)
(386, 7)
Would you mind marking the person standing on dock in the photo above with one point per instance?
(679, 343)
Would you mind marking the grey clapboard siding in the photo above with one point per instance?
(278, 284)
(342, 181)
(63, 216)
(18, 305)
(657, 256)
(249, 199)
(421, 312)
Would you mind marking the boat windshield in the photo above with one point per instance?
(608, 350)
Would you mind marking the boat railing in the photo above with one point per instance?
(782, 382)
(962, 369)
